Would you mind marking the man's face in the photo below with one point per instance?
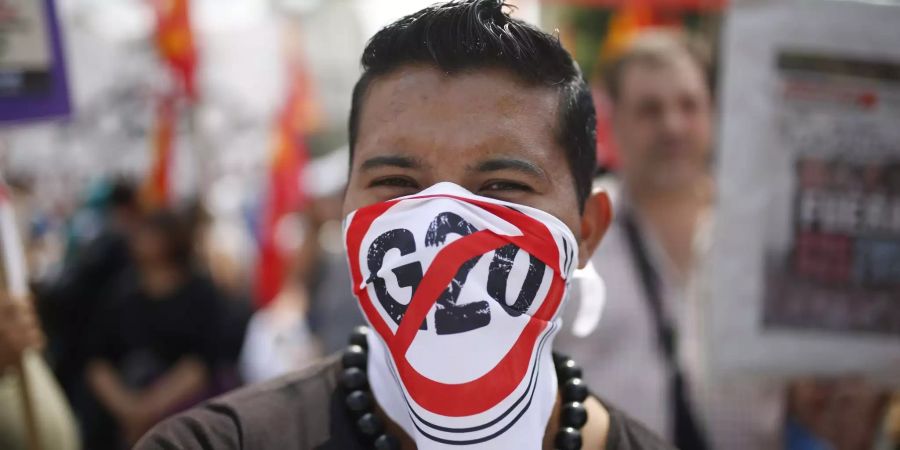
(662, 121)
(483, 130)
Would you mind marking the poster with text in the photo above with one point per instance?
(838, 116)
(805, 264)
(32, 70)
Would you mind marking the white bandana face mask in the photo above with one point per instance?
(463, 294)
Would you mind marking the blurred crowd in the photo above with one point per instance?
(147, 311)
(144, 311)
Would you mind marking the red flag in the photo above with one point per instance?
(175, 41)
(285, 196)
(625, 24)
(157, 189)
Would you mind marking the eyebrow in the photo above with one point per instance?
(519, 165)
(404, 162)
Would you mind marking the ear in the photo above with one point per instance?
(595, 221)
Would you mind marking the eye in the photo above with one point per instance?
(504, 185)
(394, 182)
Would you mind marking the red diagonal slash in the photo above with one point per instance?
(479, 395)
(439, 274)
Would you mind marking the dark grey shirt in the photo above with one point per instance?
(304, 411)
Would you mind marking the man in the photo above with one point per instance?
(646, 354)
(472, 146)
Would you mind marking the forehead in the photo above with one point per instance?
(424, 111)
(661, 75)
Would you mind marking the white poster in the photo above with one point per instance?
(24, 46)
(805, 269)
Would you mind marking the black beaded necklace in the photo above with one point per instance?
(361, 404)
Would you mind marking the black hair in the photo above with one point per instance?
(175, 230)
(473, 34)
(122, 194)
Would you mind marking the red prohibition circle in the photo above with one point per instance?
(480, 394)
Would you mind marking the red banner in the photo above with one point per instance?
(285, 196)
(157, 186)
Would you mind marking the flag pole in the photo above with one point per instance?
(17, 284)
